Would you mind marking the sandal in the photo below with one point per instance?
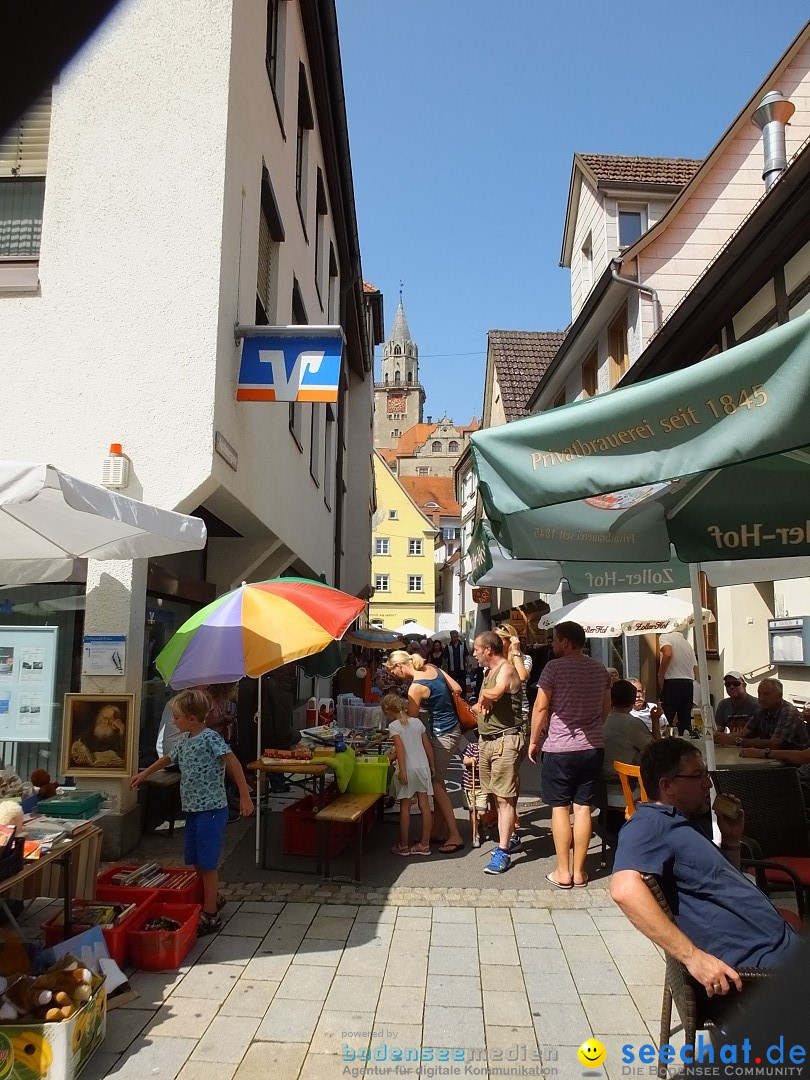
(417, 850)
(448, 849)
(398, 849)
(559, 884)
(581, 884)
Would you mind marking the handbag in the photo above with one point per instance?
(466, 717)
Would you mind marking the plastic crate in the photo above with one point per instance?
(106, 889)
(163, 950)
(117, 938)
(370, 775)
(79, 804)
(299, 830)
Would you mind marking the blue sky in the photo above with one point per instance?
(464, 116)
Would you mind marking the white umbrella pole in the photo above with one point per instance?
(703, 670)
(258, 774)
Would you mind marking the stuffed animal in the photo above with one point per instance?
(41, 780)
(21, 997)
(11, 813)
(55, 995)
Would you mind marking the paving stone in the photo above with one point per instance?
(616, 1069)
(402, 1036)
(153, 988)
(521, 916)
(194, 1069)
(212, 981)
(353, 992)
(281, 1061)
(302, 914)
(181, 1017)
(597, 978)
(453, 934)
(584, 947)
(407, 971)
(339, 1029)
(249, 924)
(452, 961)
(160, 1058)
(100, 1065)
(262, 907)
(366, 960)
(309, 983)
(363, 934)
(495, 977)
(445, 1025)
(399, 1005)
(641, 970)
(289, 1020)
(319, 952)
(267, 966)
(327, 928)
(503, 1040)
(574, 922)
(497, 949)
(226, 1039)
(284, 938)
(458, 990)
(540, 961)
(225, 949)
(374, 913)
(454, 915)
(613, 1014)
(123, 1026)
(323, 1067)
(647, 1000)
(494, 921)
(628, 943)
(503, 1007)
(340, 911)
(560, 1023)
(557, 987)
(249, 998)
(410, 912)
(537, 936)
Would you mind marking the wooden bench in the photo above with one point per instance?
(348, 809)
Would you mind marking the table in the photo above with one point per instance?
(309, 776)
(69, 869)
(728, 757)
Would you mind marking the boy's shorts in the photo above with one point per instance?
(205, 830)
(481, 801)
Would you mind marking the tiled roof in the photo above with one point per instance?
(414, 437)
(368, 287)
(432, 489)
(473, 425)
(641, 170)
(520, 358)
(388, 455)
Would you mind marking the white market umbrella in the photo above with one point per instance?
(613, 614)
(411, 628)
(48, 519)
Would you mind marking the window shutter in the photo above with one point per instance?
(265, 263)
(24, 149)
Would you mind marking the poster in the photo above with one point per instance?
(104, 654)
(27, 677)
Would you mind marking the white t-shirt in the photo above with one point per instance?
(683, 661)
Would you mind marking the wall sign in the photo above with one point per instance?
(289, 363)
(104, 654)
(27, 676)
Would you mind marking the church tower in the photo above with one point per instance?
(399, 397)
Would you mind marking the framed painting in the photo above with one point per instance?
(98, 735)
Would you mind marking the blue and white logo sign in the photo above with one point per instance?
(284, 364)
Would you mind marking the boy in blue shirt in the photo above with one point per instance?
(204, 758)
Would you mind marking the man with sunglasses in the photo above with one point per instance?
(722, 921)
(739, 707)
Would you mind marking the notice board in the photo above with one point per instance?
(27, 682)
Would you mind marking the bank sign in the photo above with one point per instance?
(289, 363)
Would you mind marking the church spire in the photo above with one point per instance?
(400, 332)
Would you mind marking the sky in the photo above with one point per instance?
(464, 116)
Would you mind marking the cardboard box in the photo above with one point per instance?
(56, 1051)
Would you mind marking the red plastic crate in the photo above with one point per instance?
(163, 950)
(107, 890)
(117, 937)
(299, 835)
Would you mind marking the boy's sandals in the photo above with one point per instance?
(417, 849)
(398, 849)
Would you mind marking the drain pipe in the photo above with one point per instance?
(641, 288)
(771, 117)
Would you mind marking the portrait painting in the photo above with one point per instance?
(98, 735)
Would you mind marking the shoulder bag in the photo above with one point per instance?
(466, 717)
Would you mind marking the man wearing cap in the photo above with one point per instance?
(739, 707)
(776, 725)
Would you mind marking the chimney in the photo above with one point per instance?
(771, 116)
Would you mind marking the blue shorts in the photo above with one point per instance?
(205, 830)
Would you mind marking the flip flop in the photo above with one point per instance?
(448, 849)
(397, 850)
(582, 884)
(418, 851)
(559, 884)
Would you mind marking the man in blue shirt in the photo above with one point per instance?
(722, 920)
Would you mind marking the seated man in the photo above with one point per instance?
(776, 724)
(647, 711)
(722, 920)
(626, 735)
(738, 705)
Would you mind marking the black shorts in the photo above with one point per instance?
(570, 777)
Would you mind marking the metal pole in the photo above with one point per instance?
(703, 671)
(258, 773)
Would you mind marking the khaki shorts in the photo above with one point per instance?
(479, 796)
(444, 747)
(500, 761)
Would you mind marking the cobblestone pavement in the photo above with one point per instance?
(308, 976)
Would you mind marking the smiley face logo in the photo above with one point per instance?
(592, 1054)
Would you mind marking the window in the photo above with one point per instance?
(393, 515)
(381, 582)
(382, 545)
(23, 162)
(617, 347)
(299, 318)
(452, 447)
(329, 456)
(708, 599)
(423, 470)
(386, 378)
(395, 433)
(586, 265)
(271, 235)
(415, 583)
(320, 218)
(316, 415)
(410, 377)
(435, 447)
(450, 533)
(632, 223)
(397, 351)
(333, 294)
(271, 55)
(306, 122)
(414, 547)
(589, 375)
(397, 378)
(559, 399)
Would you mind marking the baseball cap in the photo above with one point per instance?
(735, 675)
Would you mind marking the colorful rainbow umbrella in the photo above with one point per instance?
(256, 628)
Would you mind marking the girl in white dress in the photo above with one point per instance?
(413, 759)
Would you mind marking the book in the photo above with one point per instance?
(7, 834)
(85, 913)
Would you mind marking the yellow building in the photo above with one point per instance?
(402, 572)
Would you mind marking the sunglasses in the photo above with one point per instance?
(731, 682)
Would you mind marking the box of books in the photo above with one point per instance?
(54, 1051)
(114, 917)
(175, 884)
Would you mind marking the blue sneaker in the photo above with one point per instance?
(499, 863)
(514, 844)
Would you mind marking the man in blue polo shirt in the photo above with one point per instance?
(722, 920)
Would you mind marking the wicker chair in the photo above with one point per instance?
(775, 820)
(679, 986)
